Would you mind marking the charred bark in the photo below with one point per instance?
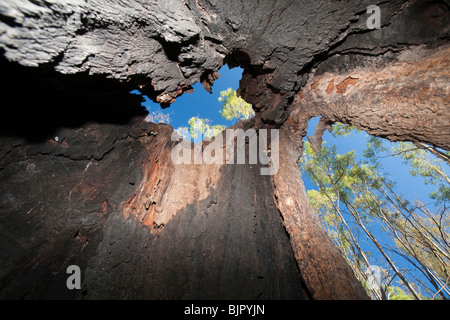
(138, 226)
(85, 181)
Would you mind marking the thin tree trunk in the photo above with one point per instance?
(352, 238)
(435, 152)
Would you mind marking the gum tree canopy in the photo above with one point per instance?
(85, 181)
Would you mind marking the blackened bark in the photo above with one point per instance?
(108, 199)
(85, 182)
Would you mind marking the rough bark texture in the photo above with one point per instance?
(320, 262)
(405, 100)
(108, 199)
(106, 196)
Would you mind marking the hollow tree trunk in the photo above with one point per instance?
(142, 227)
(84, 181)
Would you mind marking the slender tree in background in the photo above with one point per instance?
(359, 203)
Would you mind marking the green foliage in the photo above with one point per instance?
(343, 178)
(441, 195)
(202, 127)
(340, 129)
(419, 161)
(354, 196)
(430, 168)
(234, 107)
(374, 147)
(396, 293)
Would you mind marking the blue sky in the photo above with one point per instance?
(200, 103)
(205, 105)
(412, 187)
